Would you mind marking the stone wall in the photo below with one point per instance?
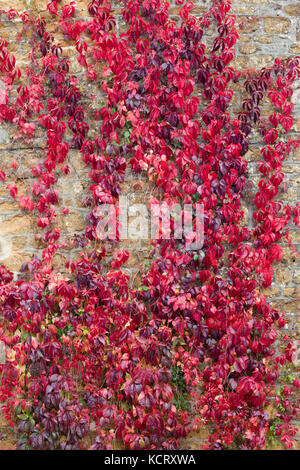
(269, 29)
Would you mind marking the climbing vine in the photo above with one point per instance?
(82, 346)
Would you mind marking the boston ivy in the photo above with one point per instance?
(85, 348)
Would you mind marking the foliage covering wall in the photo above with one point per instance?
(267, 30)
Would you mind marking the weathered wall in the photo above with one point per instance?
(273, 31)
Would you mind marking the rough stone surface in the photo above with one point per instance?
(268, 29)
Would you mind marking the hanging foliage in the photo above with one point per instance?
(84, 347)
